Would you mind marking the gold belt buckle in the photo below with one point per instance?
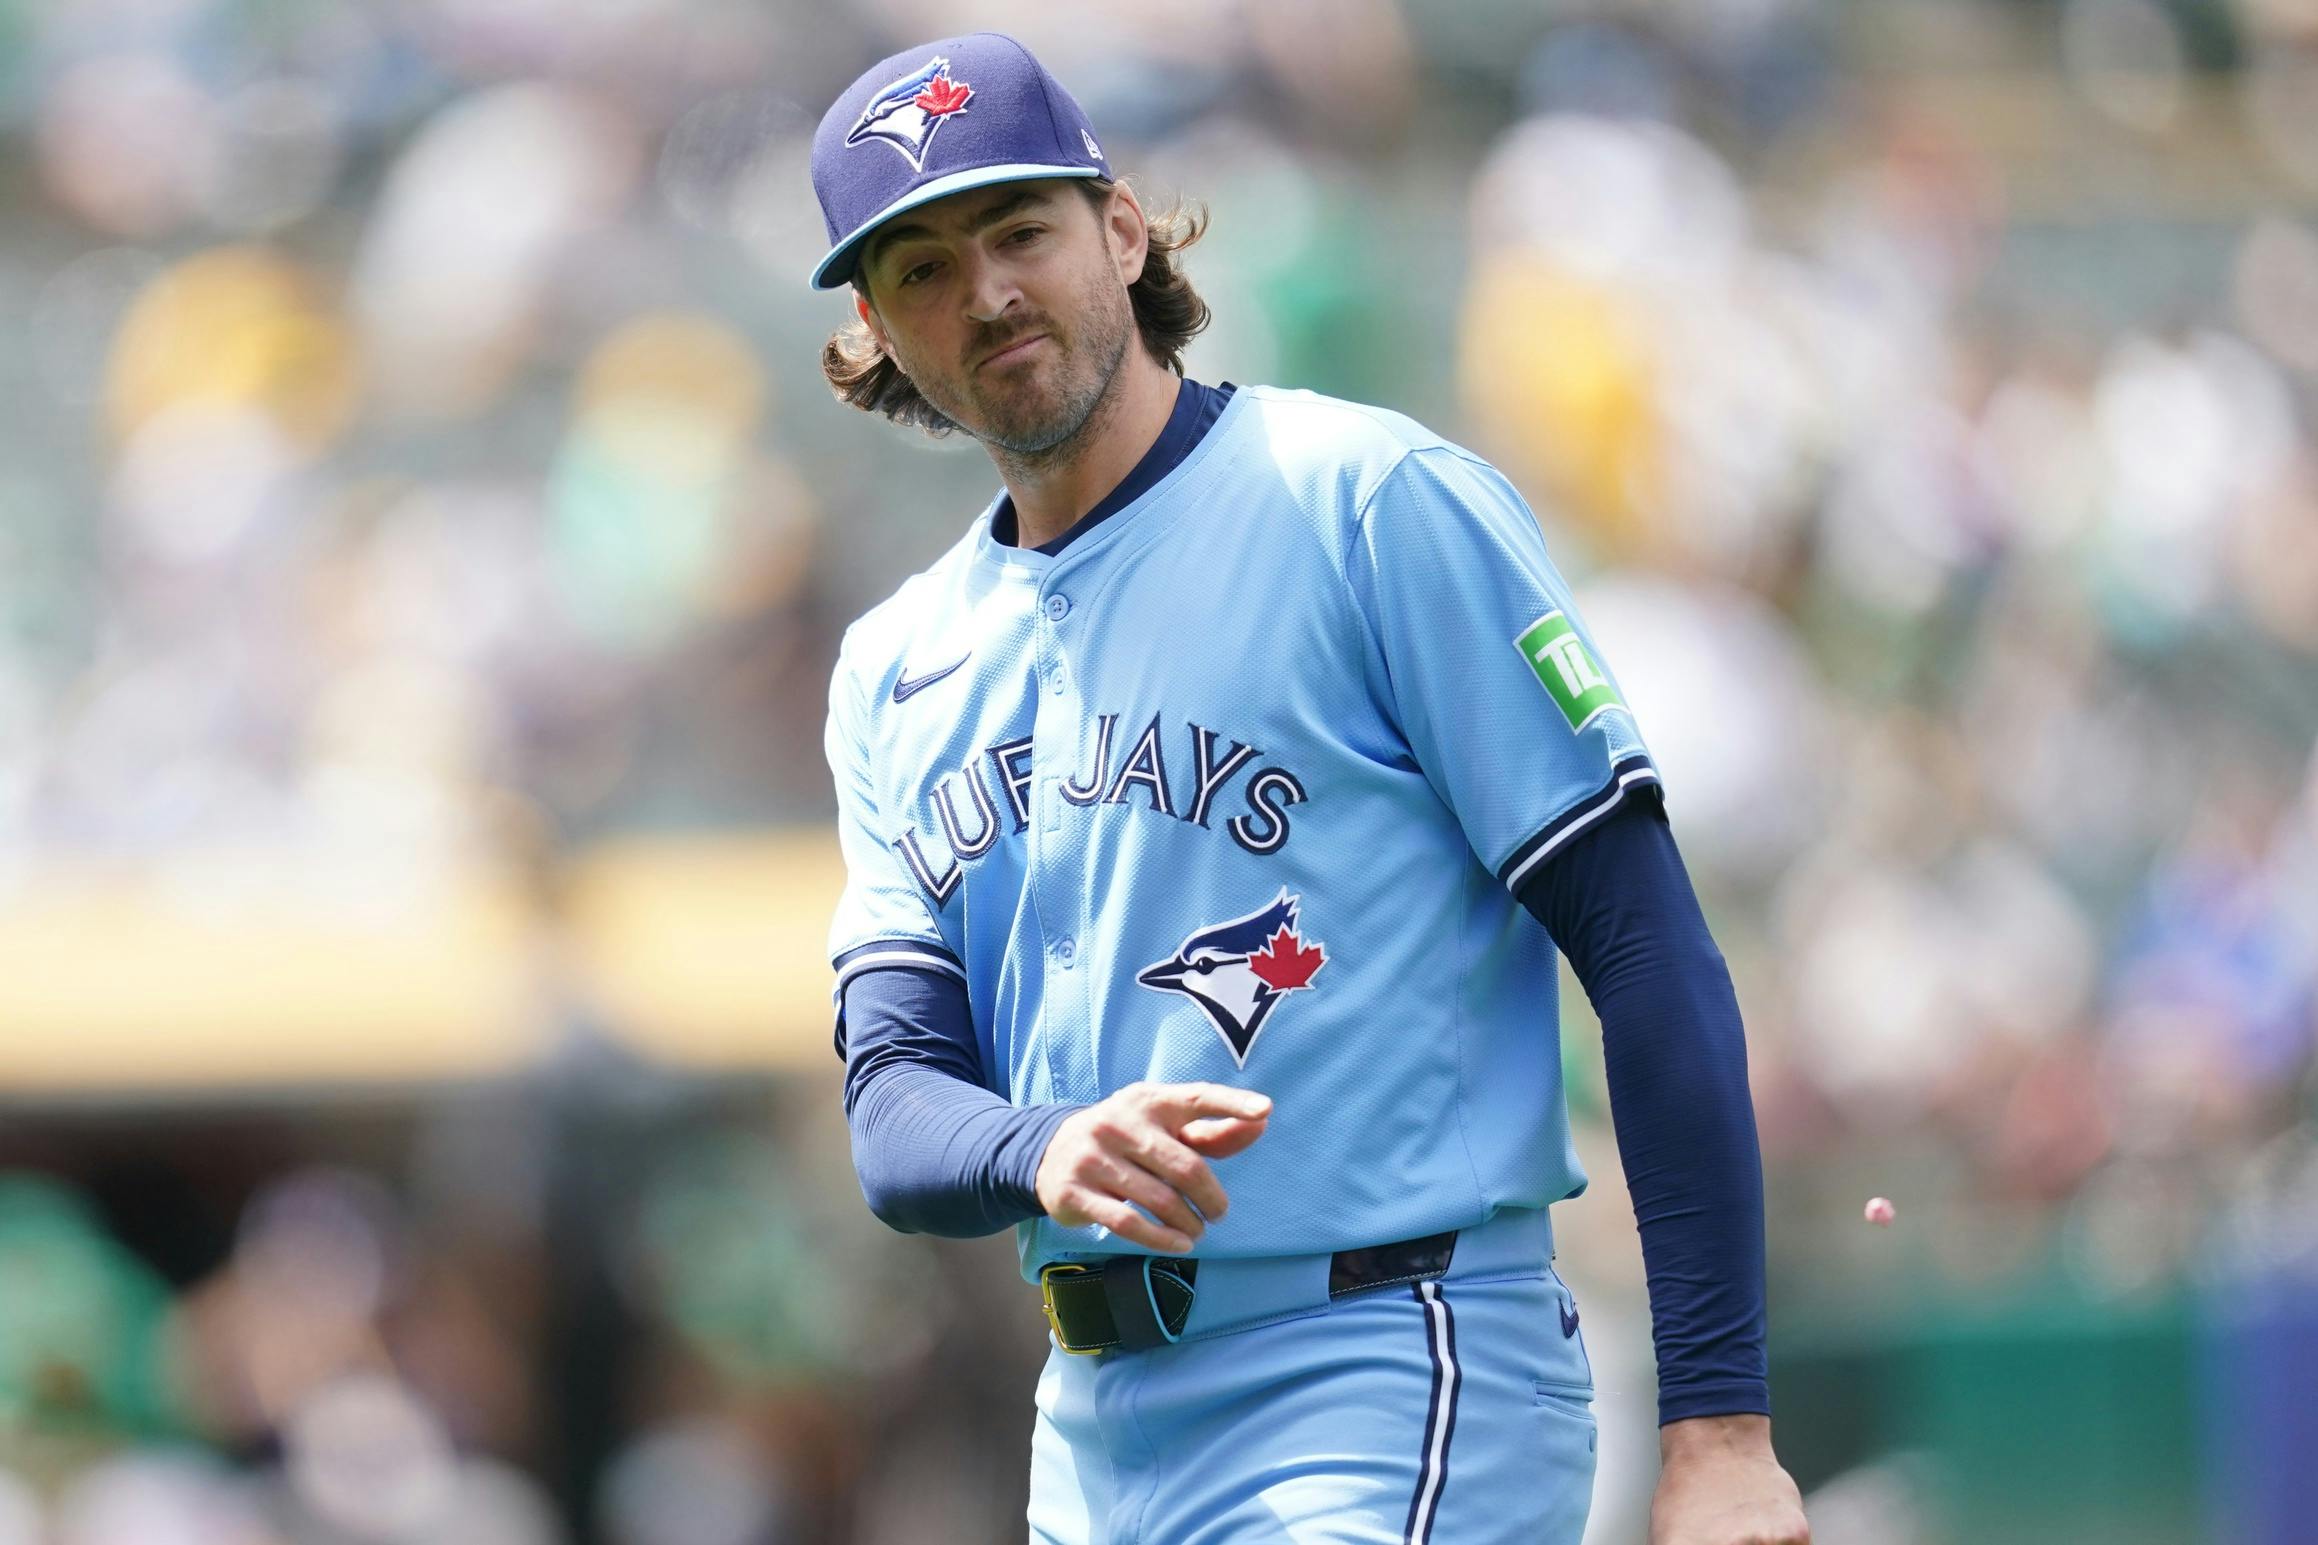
(1046, 1276)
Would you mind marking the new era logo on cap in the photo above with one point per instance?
(950, 115)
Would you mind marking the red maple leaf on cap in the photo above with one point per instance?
(1284, 965)
(942, 97)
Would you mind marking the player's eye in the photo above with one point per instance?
(913, 275)
(1026, 235)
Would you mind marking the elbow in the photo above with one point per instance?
(925, 1206)
(891, 1202)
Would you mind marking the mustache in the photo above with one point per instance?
(986, 346)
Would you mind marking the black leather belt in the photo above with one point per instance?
(1132, 1302)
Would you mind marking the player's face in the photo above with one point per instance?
(964, 284)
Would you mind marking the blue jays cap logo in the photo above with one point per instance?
(906, 113)
(1237, 972)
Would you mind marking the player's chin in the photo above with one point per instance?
(1021, 424)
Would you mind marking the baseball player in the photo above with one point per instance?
(1212, 812)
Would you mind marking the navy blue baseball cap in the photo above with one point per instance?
(935, 120)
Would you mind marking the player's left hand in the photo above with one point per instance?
(1219, 1137)
(1720, 1484)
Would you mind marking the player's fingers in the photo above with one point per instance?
(1163, 1154)
(1175, 1104)
(1154, 1195)
(1219, 1137)
(1129, 1224)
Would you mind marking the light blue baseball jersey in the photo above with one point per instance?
(1239, 787)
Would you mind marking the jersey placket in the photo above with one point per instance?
(1056, 871)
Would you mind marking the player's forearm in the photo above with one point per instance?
(1676, 1064)
(936, 1151)
(936, 1156)
(1621, 906)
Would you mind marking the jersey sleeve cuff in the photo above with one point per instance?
(1630, 772)
(1718, 1397)
(881, 953)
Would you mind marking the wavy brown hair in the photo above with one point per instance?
(1168, 313)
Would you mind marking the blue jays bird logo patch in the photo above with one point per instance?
(906, 113)
(1237, 972)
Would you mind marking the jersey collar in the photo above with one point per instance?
(1198, 410)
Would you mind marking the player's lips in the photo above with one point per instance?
(1012, 351)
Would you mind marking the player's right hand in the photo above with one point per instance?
(1147, 1147)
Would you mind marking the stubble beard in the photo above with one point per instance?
(1040, 415)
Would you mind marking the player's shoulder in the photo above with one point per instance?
(875, 642)
(1298, 421)
(1338, 453)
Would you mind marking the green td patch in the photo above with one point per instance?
(1567, 670)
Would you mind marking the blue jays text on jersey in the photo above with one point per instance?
(1238, 787)
(1211, 758)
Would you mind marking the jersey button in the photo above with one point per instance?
(1057, 607)
(1065, 951)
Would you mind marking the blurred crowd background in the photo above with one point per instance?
(424, 536)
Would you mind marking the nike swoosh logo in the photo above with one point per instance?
(904, 689)
(1569, 1320)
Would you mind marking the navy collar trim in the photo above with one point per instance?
(1197, 407)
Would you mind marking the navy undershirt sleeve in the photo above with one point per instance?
(1618, 902)
(937, 1149)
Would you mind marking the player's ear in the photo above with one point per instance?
(1128, 233)
(869, 319)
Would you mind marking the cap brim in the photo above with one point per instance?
(836, 270)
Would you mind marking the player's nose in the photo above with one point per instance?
(990, 287)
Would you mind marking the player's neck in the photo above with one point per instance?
(1052, 493)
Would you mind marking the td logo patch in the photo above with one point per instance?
(1567, 670)
(1238, 971)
